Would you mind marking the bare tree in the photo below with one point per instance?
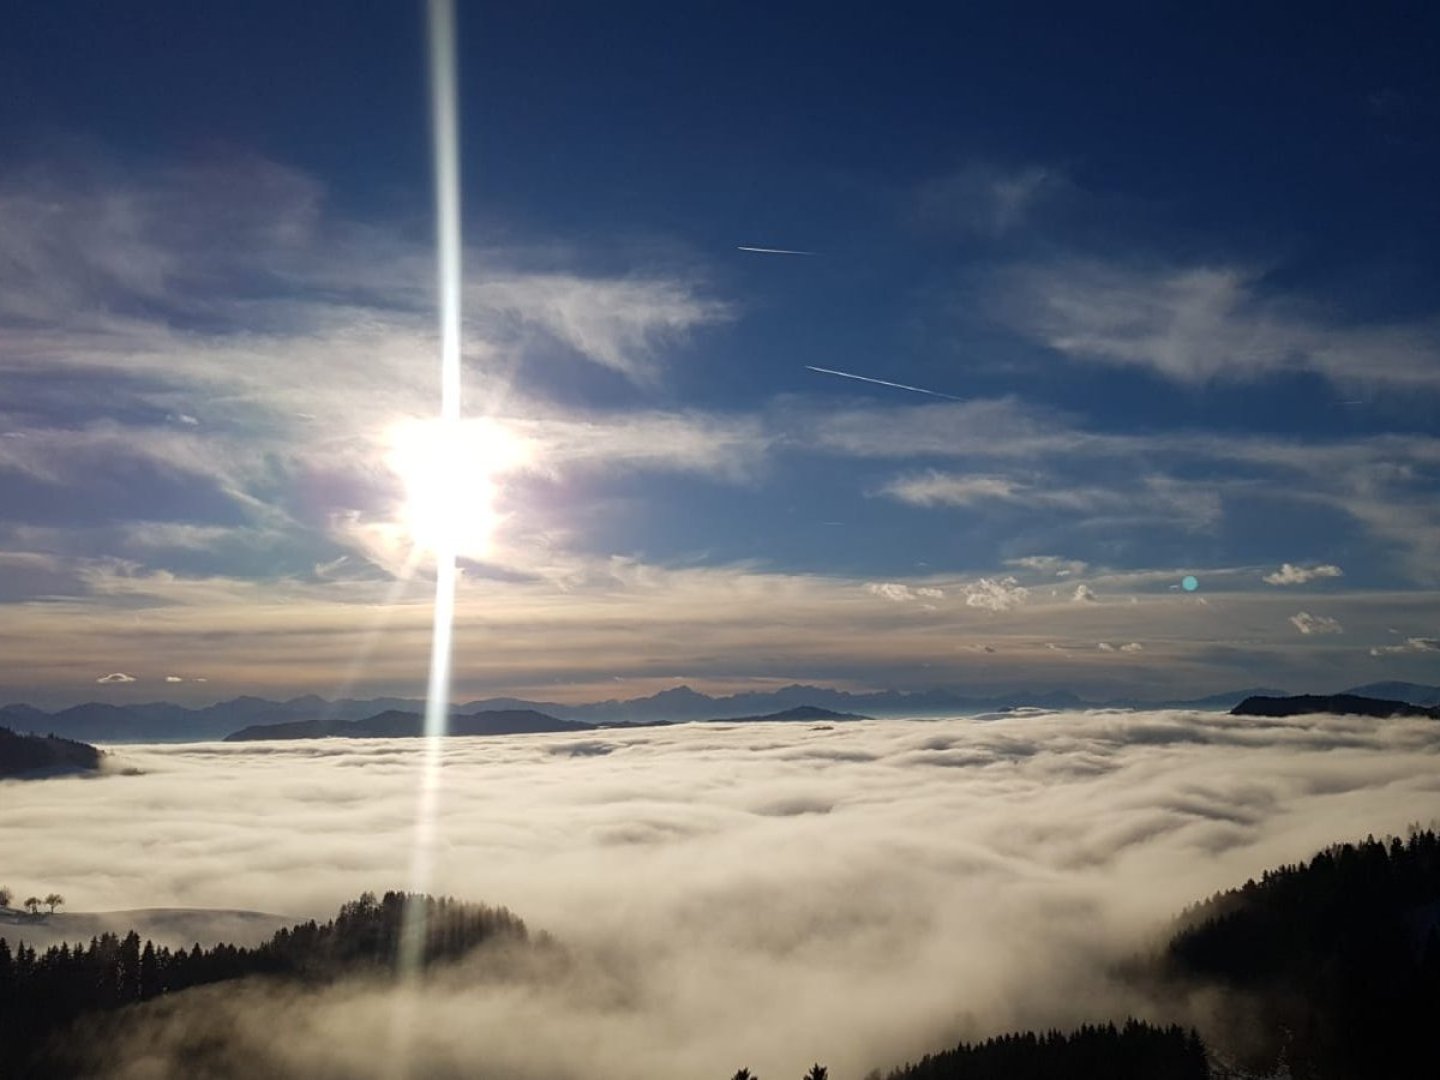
(5, 896)
(32, 905)
(54, 900)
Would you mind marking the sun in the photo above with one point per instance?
(451, 471)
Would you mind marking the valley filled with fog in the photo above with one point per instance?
(761, 894)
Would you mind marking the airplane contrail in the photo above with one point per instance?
(773, 251)
(882, 382)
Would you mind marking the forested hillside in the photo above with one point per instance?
(1334, 963)
(22, 755)
(1136, 1051)
(1330, 969)
(40, 993)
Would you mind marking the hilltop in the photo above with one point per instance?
(1338, 704)
(799, 713)
(43, 755)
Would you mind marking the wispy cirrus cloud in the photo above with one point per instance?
(1154, 495)
(205, 352)
(1052, 465)
(986, 199)
(621, 324)
(1194, 324)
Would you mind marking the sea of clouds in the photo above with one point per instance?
(765, 895)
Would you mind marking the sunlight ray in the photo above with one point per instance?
(445, 147)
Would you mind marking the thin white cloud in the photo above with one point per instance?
(1409, 645)
(1049, 564)
(935, 488)
(1151, 497)
(1315, 624)
(1289, 574)
(898, 593)
(116, 677)
(730, 447)
(1132, 647)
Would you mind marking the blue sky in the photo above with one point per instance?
(1177, 268)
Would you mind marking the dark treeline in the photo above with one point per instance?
(21, 754)
(1333, 964)
(40, 993)
(1136, 1051)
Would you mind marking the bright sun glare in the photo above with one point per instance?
(451, 472)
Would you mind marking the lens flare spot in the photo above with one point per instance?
(452, 472)
(1190, 583)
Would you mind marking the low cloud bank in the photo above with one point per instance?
(731, 895)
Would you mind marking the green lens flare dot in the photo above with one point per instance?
(1189, 583)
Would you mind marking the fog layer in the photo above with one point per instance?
(764, 895)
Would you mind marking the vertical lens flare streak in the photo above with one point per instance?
(445, 143)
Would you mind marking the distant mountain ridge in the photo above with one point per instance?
(166, 722)
(799, 714)
(395, 724)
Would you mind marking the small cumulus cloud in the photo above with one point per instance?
(173, 678)
(890, 590)
(996, 594)
(1315, 624)
(1132, 647)
(1289, 574)
(1105, 646)
(1083, 595)
(116, 677)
